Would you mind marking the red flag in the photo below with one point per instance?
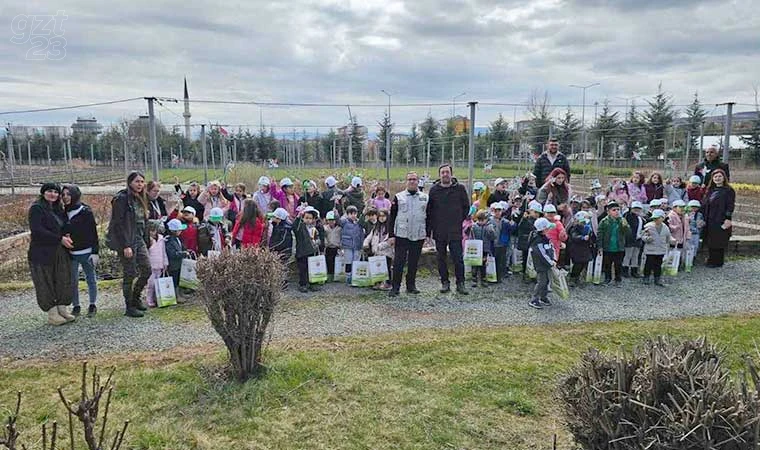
(223, 131)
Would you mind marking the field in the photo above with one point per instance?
(477, 388)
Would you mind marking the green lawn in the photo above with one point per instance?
(480, 388)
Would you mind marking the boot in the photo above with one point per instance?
(54, 318)
(445, 287)
(65, 314)
(658, 281)
(461, 290)
(138, 303)
(635, 272)
(133, 312)
(626, 272)
(647, 280)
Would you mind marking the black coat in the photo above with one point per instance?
(717, 206)
(543, 167)
(709, 167)
(189, 201)
(122, 229)
(497, 196)
(47, 225)
(446, 210)
(524, 228)
(83, 230)
(161, 204)
(633, 222)
(580, 250)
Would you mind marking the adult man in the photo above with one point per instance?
(712, 161)
(447, 208)
(549, 160)
(406, 226)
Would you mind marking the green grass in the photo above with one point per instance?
(480, 388)
(26, 285)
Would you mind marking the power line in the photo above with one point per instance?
(59, 108)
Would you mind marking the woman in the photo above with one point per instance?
(128, 237)
(636, 190)
(250, 227)
(157, 205)
(654, 188)
(49, 261)
(84, 232)
(555, 190)
(718, 207)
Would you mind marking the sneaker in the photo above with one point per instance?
(461, 290)
(658, 282)
(133, 312)
(618, 283)
(445, 288)
(545, 302)
(303, 289)
(315, 287)
(647, 281)
(412, 290)
(91, 311)
(607, 282)
(393, 293)
(535, 304)
(76, 311)
(474, 284)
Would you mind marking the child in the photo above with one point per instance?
(190, 197)
(212, 198)
(281, 241)
(657, 240)
(218, 229)
(354, 195)
(675, 189)
(695, 191)
(380, 201)
(190, 235)
(332, 244)
(696, 223)
(484, 231)
(542, 252)
(580, 247)
(633, 242)
(596, 191)
(250, 228)
(235, 201)
(286, 195)
(619, 192)
(351, 239)
(379, 245)
(556, 234)
(468, 221)
(308, 240)
(159, 262)
(368, 222)
(175, 251)
(680, 230)
(263, 197)
(524, 230)
(504, 227)
(613, 232)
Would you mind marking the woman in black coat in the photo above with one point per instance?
(49, 261)
(718, 207)
(157, 205)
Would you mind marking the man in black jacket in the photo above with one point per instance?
(549, 160)
(448, 206)
(711, 162)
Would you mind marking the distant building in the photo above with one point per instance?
(343, 131)
(87, 125)
(522, 125)
(23, 131)
(461, 124)
(735, 142)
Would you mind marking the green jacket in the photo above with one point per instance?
(604, 234)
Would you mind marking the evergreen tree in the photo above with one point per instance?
(607, 127)
(382, 137)
(633, 132)
(568, 133)
(429, 130)
(752, 153)
(541, 122)
(695, 115)
(499, 134)
(415, 147)
(658, 119)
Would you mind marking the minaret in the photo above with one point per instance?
(186, 114)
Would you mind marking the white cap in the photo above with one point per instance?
(311, 209)
(680, 203)
(330, 181)
(497, 205)
(694, 204)
(658, 214)
(286, 182)
(216, 213)
(478, 186)
(264, 181)
(655, 202)
(550, 208)
(581, 216)
(595, 184)
(176, 225)
(189, 209)
(280, 213)
(535, 206)
(498, 181)
(330, 215)
(356, 181)
(600, 197)
(637, 204)
(543, 224)
(695, 179)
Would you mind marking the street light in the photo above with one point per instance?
(388, 153)
(453, 104)
(583, 112)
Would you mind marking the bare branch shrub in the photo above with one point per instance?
(239, 291)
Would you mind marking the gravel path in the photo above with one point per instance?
(340, 311)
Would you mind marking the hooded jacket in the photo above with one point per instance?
(447, 208)
(679, 227)
(122, 229)
(281, 240)
(580, 250)
(46, 224)
(656, 242)
(542, 252)
(82, 229)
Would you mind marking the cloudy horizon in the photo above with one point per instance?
(346, 52)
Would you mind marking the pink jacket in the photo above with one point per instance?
(289, 204)
(679, 227)
(157, 254)
(209, 202)
(557, 236)
(381, 203)
(637, 193)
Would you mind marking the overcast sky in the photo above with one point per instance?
(346, 51)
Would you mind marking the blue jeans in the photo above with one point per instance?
(89, 274)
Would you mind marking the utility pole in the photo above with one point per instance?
(333, 162)
(112, 159)
(152, 136)
(686, 155)
(126, 159)
(388, 150)
(92, 153)
(213, 158)
(71, 162)
(203, 153)
(427, 158)
(452, 152)
(29, 158)
(234, 148)
(471, 162)
(179, 163)
(583, 113)
(350, 147)
(729, 119)
(701, 140)
(9, 146)
(48, 154)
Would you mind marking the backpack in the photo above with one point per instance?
(204, 239)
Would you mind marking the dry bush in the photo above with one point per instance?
(665, 395)
(239, 291)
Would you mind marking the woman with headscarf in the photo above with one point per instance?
(718, 208)
(84, 232)
(128, 237)
(49, 261)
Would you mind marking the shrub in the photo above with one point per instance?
(239, 291)
(665, 395)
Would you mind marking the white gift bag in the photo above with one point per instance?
(165, 295)
(317, 269)
(491, 270)
(559, 283)
(597, 274)
(339, 269)
(671, 262)
(473, 252)
(188, 278)
(213, 254)
(360, 276)
(530, 271)
(378, 269)
(689, 259)
(516, 263)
